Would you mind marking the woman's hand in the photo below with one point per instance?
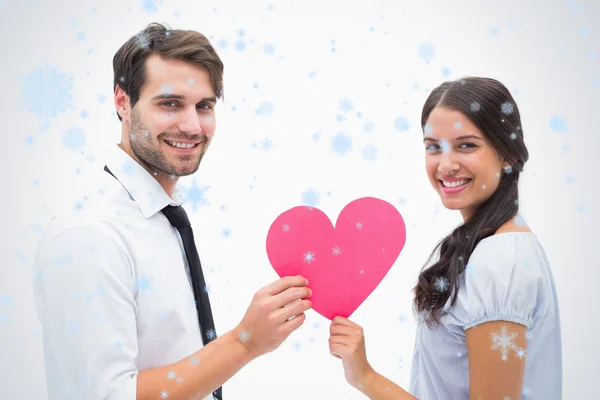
(347, 342)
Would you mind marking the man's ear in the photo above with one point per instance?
(122, 103)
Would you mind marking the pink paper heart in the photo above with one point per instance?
(343, 264)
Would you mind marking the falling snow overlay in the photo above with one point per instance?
(426, 51)
(341, 143)
(47, 93)
(504, 341)
(195, 195)
(311, 121)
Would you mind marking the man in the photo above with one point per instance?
(119, 289)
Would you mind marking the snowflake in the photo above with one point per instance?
(73, 138)
(308, 257)
(150, 6)
(244, 336)
(426, 51)
(520, 353)
(457, 125)
(475, 106)
(519, 220)
(171, 375)
(504, 341)
(211, 334)
(226, 233)
(310, 198)
(470, 268)
(222, 44)
(401, 124)
(557, 124)
(341, 143)
(296, 346)
(78, 206)
(195, 194)
(194, 361)
(269, 49)
(369, 153)
(346, 105)
(336, 251)
(265, 108)
(47, 92)
(164, 394)
(266, 144)
(446, 72)
(507, 108)
(441, 283)
(240, 45)
(142, 41)
(368, 126)
(445, 145)
(143, 283)
(63, 259)
(359, 225)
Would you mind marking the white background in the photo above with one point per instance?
(275, 148)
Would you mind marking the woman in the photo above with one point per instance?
(488, 313)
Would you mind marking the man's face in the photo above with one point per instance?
(173, 122)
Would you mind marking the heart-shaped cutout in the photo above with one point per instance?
(343, 264)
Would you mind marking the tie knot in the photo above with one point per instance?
(176, 216)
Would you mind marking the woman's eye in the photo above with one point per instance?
(468, 145)
(432, 147)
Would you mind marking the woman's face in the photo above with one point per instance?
(461, 164)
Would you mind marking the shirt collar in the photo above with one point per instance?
(143, 188)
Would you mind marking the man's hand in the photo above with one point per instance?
(275, 312)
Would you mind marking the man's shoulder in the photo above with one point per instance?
(102, 213)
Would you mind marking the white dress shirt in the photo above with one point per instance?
(112, 290)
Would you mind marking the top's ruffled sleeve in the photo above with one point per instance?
(501, 283)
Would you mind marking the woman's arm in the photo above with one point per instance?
(496, 352)
(347, 343)
(378, 387)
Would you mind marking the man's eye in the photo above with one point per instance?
(205, 106)
(168, 104)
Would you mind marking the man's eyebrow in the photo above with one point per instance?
(426, 138)
(172, 96)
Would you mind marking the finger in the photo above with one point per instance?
(285, 283)
(339, 340)
(344, 321)
(293, 324)
(290, 295)
(337, 350)
(294, 309)
(343, 330)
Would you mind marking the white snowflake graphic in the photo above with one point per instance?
(308, 257)
(47, 92)
(504, 341)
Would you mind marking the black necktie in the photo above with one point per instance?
(179, 219)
